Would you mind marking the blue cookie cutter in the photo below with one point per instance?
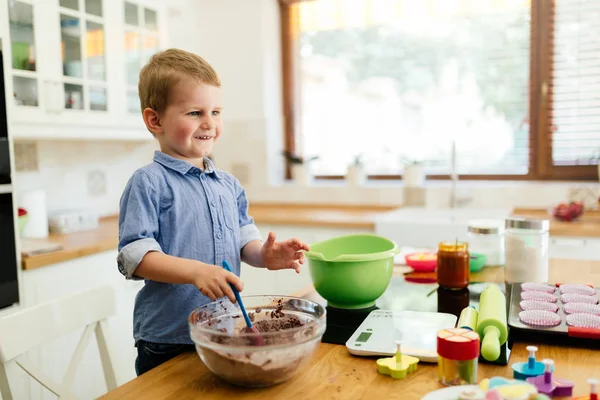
(529, 369)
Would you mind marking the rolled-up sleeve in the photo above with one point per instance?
(248, 230)
(138, 223)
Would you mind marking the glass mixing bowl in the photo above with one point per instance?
(291, 328)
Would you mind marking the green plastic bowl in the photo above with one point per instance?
(477, 262)
(352, 271)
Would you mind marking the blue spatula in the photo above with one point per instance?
(258, 340)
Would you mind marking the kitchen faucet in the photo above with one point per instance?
(455, 201)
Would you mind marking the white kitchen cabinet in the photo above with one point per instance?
(575, 248)
(53, 281)
(72, 71)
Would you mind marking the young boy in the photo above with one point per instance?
(180, 217)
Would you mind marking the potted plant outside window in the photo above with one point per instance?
(414, 172)
(300, 166)
(356, 175)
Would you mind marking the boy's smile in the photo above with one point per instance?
(191, 123)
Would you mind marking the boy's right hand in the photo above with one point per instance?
(213, 282)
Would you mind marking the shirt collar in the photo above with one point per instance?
(183, 167)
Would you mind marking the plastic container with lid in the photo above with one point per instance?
(487, 237)
(526, 242)
(458, 353)
(453, 265)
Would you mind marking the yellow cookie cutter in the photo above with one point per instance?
(398, 366)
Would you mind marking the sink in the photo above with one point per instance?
(426, 227)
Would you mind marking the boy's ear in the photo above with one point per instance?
(152, 121)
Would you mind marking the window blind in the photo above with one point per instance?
(574, 119)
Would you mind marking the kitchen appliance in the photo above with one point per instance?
(73, 220)
(351, 272)
(402, 296)
(416, 330)
(9, 287)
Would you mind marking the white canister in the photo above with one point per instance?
(487, 237)
(526, 250)
(34, 202)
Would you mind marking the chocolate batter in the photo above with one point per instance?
(247, 364)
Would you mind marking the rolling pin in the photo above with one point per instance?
(468, 318)
(491, 324)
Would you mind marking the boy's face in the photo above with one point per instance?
(191, 123)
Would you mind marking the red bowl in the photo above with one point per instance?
(422, 262)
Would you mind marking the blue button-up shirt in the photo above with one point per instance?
(173, 207)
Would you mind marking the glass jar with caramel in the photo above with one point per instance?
(453, 265)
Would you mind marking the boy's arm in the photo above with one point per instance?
(251, 254)
(140, 255)
(211, 280)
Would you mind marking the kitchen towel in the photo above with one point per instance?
(34, 201)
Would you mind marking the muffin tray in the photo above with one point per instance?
(563, 310)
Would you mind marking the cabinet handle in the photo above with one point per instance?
(59, 97)
(48, 96)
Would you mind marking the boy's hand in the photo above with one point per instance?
(213, 281)
(283, 255)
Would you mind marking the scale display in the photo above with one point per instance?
(417, 330)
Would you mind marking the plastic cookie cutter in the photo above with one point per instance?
(550, 386)
(397, 366)
(594, 383)
(501, 388)
(529, 369)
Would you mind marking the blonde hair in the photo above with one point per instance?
(167, 68)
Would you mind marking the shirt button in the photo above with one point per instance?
(219, 235)
(213, 203)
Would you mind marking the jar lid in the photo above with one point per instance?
(527, 223)
(486, 226)
(453, 246)
(458, 344)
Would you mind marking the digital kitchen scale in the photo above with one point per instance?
(417, 330)
(419, 301)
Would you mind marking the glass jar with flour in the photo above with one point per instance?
(526, 250)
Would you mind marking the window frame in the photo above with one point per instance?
(540, 168)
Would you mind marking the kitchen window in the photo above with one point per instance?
(514, 85)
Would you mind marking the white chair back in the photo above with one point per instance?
(34, 326)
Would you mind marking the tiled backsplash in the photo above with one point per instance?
(83, 174)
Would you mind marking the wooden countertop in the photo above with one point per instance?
(106, 236)
(587, 226)
(335, 374)
(79, 244)
(329, 216)
(319, 215)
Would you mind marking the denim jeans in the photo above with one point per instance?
(151, 355)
